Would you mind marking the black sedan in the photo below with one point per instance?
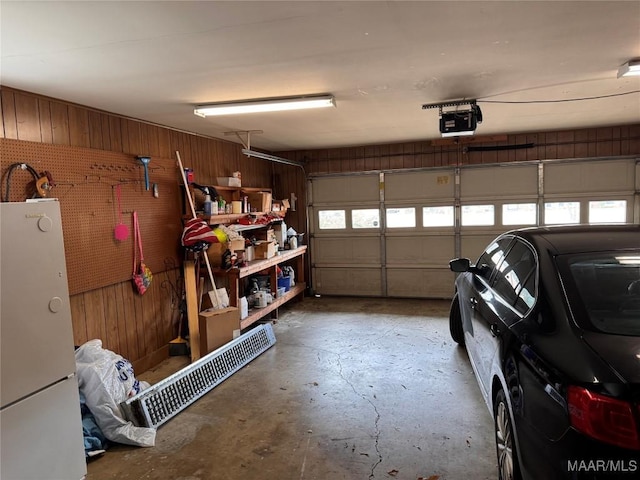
(550, 318)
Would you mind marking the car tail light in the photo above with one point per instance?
(603, 418)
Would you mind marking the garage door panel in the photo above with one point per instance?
(417, 250)
(589, 177)
(423, 283)
(361, 250)
(492, 182)
(419, 185)
(345, 190)
(348, 281)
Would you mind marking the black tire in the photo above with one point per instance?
(508, 468)
(455, 322)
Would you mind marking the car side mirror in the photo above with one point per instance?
(460, 265)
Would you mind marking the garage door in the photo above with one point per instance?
(392, 233)
(345, 240)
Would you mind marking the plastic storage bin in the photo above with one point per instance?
(284, 282)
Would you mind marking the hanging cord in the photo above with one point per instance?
(9, 174)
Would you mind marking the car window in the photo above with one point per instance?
(493, 255)
(515, 278)
(607, 286)
(526, 296)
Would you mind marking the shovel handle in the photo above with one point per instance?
(204, 254)
(184, 180)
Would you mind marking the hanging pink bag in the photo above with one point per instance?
(141, 274)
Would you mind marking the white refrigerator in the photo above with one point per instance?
(40, 420)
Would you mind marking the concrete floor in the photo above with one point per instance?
(353, 389)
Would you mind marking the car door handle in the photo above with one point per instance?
(495, 331)
(473, 302)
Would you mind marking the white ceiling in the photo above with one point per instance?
(382, 61)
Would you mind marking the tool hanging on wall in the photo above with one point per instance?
(213, 294)
(40, 186)
(145, 162)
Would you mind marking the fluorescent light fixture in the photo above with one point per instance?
(265, 105)
(630, 69)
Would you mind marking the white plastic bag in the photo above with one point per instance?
(106, 379)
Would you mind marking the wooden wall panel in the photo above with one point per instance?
(115, 135)
(137, 327)
(95, 130)
(27, 118)
(585, 143)
(46, 127)
(9, 114)
(78, 126)
(79, 319)
(60, 124)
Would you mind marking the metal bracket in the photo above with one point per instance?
(239, 133)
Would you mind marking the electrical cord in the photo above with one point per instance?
(562, 101)
(8, 174)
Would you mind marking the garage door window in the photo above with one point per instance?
(519, 214)
(561, 212)
(332, 219)
(401, 217)
(365, 218)
(608, 211)
(477, 215)
(437, 216)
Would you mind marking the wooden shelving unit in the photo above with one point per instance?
(235, 275)
(256, 314)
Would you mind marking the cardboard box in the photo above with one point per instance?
(214, 252)
(234, 245)
(229, 182)
(265, 250)
(267, 234)
(217, 328)
(260, 201)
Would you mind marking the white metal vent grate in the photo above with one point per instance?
(164, 400)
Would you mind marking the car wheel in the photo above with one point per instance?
(455, 322)
(505, 444)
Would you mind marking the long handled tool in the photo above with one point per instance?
(213, 295)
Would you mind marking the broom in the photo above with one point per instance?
(213, 294)
(179, 345)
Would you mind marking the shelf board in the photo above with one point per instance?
(256, 266)
(226, 188)
(243, 228)
(229, 217)
(256, 314)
